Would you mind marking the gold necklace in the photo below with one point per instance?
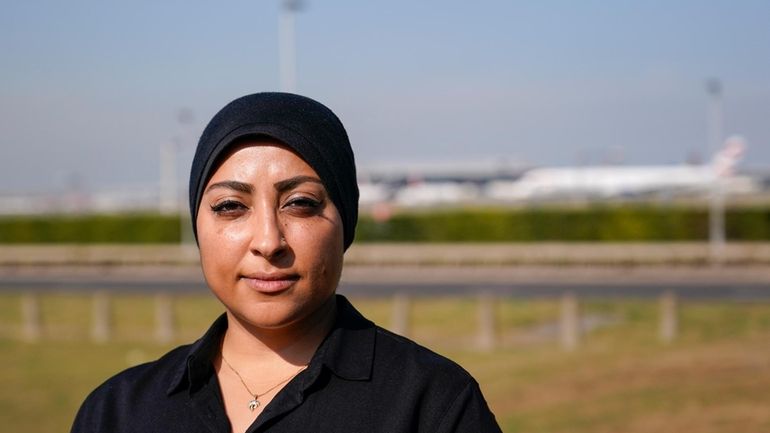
(254, 402)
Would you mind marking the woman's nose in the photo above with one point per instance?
(268, 239)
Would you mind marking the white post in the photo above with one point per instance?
(100, 330)
(164, 318)
(401, 307)
(486, 334)
(669, 321)
(30, 312)
(570, 322)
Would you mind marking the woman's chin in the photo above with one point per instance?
(277, 315)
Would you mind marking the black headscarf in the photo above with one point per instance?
(305, 126)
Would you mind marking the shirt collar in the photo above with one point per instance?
(197, 365)
(347, 351)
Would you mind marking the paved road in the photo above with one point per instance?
(733, 284)
(378, 254)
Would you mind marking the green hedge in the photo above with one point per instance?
(458, 225)
(126, 229)
(591, 224)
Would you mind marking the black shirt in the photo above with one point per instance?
(362, 378)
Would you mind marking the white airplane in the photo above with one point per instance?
(373, 193)
(430, 183)
(619, 181)
(421, 194)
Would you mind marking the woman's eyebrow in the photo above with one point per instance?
(232, 184)
(291, 183)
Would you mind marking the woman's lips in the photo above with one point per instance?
(269, 283)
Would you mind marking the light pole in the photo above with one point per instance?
(169, 199)
(714, 89)
(171, 202)
(186, 119)
(717, 199)
(286, 48)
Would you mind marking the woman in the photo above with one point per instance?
(274, 205)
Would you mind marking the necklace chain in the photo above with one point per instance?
(254, 403)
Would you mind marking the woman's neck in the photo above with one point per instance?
(295, 344)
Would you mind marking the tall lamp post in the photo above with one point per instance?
(169, 198)
(717, 199)
(171, 202)
(286, 48)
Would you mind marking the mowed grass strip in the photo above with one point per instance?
(714, 378)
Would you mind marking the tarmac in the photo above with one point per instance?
(419, 254)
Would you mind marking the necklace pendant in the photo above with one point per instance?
(253, 404)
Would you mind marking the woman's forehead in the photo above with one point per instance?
(246, 143)
(266, 159)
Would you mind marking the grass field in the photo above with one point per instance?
(714, 378)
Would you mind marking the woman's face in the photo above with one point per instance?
(271, 239)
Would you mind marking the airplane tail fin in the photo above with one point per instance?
(727, 158)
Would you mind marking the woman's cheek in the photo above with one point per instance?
(222, 243)
(234, 233)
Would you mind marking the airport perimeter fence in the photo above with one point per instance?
(570, 329)
(485, 277)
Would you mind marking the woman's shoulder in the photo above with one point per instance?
(168, 371)
(443, 394)
(140, 376)
(391, 354)
(134, 390)
(412, 358)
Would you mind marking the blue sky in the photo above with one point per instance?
(92, 88)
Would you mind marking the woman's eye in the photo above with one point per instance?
(303, 204)
(228, 207)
